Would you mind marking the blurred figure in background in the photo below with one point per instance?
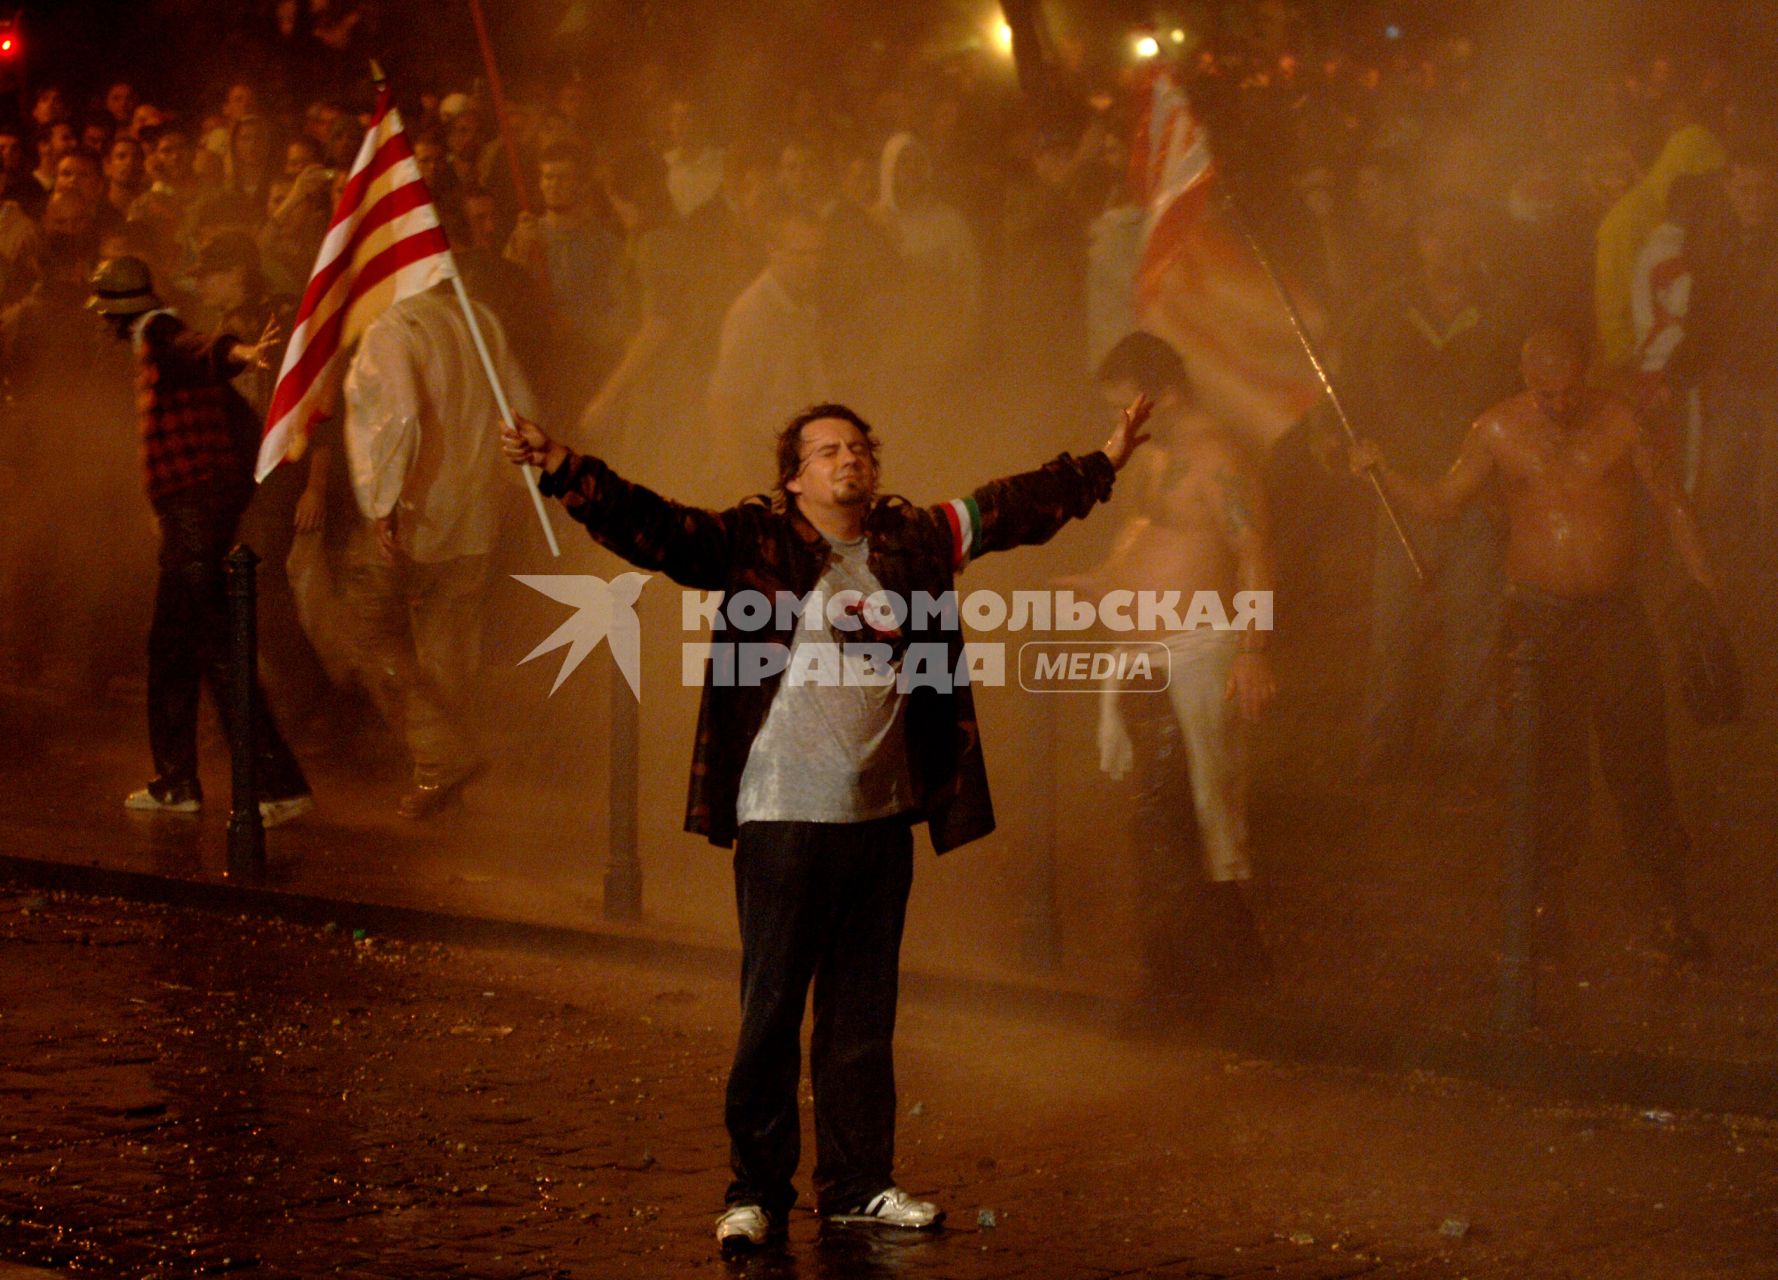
(120, 104)
(252, 163)
(728, 240)
(941, 284)
(1660, 300)
(1041, 300)
(172, 186)
(771, 362)
(1547, 246)
(1200, 524)
(1423, 357)
(1315, 237)
(1731, 349)
(126, 176)
(577, 260)
(441, 180)
(53, 142)
(1690, 148)
(649, 410)
(17, 185)
(1382, 225)
(60, 603)
(465, 133)
(860, 271)
(427, 473)
(695, 164)
(298, 208)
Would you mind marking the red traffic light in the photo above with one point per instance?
(9, 45)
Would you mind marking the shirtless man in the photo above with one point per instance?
(1201, 527)
(1568, 459)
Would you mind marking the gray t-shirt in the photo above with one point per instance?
(834, 744)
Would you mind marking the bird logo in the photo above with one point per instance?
(602, 610)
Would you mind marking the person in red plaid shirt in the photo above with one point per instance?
(198, 444)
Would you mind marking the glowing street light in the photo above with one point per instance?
(1147, 46)
(1003, 37)
(1178, 36)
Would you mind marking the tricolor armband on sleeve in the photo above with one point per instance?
(966, 530)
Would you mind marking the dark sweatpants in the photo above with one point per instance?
(822, 902)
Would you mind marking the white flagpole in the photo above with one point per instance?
(481, 348)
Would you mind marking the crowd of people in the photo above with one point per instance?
(673, 283)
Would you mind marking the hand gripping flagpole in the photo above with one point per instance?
(1302, 335)
(481, 349)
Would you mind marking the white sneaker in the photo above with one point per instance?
(742, 1229)
(893, 1208)
(145, 801)
(275, 813)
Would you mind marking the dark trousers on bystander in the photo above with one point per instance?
(1461, 613)
(821, 903)
(188, 646)
(1598, 669)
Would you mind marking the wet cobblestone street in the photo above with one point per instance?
(192, 1094)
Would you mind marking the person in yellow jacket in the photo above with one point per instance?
(1690, 148)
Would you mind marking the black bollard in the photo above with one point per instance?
(623, 867)
(1518, 974)
(246, 833)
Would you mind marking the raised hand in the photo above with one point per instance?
(259, 355)
(1129, 433)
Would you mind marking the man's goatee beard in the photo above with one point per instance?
(862, 491)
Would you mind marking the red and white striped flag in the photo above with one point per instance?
(1199, 284)
(384, 244)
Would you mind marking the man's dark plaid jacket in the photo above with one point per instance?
(762, 545)
(196, 428)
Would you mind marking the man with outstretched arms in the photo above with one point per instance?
(817, 782)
